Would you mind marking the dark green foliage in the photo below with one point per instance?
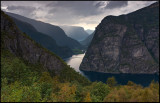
(46, 89)
(111, 82)
(22, 82)
(68, 86)
(98, 91)
(15, 67)
(16, 92)
(69, 74)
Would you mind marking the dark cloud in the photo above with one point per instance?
(81, 8)
(116, 4)
(83, 13)
(99, 4)
(26, 8)
(74, 10)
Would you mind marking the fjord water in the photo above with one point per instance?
(142, 79)
(75, 61)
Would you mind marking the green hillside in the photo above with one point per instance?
(31, 73)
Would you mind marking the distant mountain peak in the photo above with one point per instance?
(75, 32)
(89, 31)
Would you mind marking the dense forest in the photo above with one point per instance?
(31, 73)
(23, 82)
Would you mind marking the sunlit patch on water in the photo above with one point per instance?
(75, 61)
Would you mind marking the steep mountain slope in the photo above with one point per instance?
(75, 32)
(21, 48)
(88, 40)
(21, 45)
(126, 44)
(53, 31)
(45, 40)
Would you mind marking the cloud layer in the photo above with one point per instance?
(87, 14)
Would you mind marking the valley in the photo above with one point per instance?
(46, 58)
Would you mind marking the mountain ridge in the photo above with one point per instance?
(125, 43)
(31, 57)
(45, 40)
(89, 31)
(23, 46)
(76, 32)
(54, 31)
(86, 42)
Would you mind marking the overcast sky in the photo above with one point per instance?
(87, 14)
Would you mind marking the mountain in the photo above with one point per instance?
(75, 32)
(87, 41)
(19, 49)
(126, 43)
(51, 30)
(31, 73)
(45, 40)
(89, 31)
(23, 46)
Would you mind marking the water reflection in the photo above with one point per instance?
(142, 79)
(75, 61)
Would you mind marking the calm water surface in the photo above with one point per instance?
(142, 79)
(75, 61)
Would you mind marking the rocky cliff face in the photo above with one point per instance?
(125, 44)
(43, 39)
(22, 46)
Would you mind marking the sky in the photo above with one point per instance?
(87, 14)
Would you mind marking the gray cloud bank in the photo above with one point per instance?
(87, 14)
